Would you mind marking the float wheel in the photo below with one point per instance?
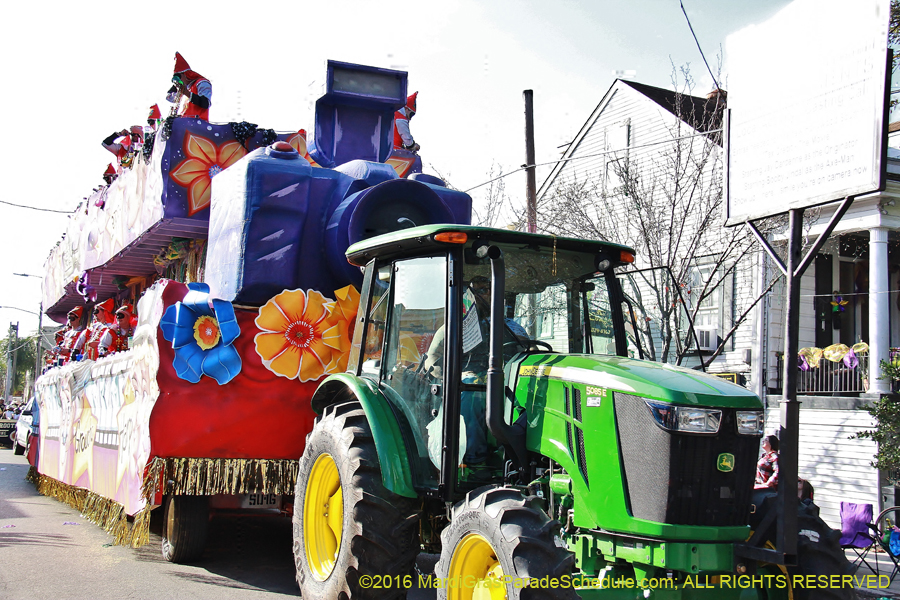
(185, 527)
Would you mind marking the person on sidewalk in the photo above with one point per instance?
(767, 467)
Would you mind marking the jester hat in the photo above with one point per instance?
(182, 67)
(108, 306)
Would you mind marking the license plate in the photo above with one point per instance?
(261, 501)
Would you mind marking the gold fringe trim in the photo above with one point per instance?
(33, 476)
(108, 514)
(187, 476)
(140, 529)
(208, 476)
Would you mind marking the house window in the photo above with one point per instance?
(715, 313)
(551, 303)
(618, 141)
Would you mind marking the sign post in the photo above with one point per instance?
(804, 128)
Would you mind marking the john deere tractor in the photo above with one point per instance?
(496, 411)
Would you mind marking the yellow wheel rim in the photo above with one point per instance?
(323, 517)
(475, 571)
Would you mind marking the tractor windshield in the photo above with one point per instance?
(556, 298)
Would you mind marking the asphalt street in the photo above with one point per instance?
(48, 550)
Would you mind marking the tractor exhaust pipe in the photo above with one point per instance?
(504, 433)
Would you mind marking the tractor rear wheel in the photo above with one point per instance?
(819, 553)
(185, 527)
(495, 543)
(349, 530)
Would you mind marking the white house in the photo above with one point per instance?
(666, 148)
(656, 133)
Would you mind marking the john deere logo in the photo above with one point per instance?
(725, 462)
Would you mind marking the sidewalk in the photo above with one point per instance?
(884, 567)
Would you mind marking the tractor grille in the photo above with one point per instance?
(673, 477)
(573, 400)
(579, 438)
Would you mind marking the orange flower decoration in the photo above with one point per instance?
(204, 161)
(304, 335)
(343, 316)
(298, 142)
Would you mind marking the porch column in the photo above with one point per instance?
(879, 309)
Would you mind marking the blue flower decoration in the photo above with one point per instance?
(202, 336)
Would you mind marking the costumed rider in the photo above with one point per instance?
(100, 327)
(120, 148)
(51, 356)
(153, 118)
(193, 86)
(109, 175)
(73, 341)
(403, 139)
(124, 329)
(124, 146)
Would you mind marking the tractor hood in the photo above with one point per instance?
(658, 381)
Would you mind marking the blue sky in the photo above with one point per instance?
(87, 69)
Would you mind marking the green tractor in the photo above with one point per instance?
(493, 411)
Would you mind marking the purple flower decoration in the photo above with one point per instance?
(202, 332)
(801, 362)
(850, 360)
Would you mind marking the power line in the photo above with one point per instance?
(64, 212)
(698, 45)
(604, 153)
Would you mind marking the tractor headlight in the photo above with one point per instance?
(685, 419)
(749, 422)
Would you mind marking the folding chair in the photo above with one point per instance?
(882, 534)
(858, 533)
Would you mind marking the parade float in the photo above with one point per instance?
(229, 239)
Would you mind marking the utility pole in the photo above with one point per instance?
(39, 350)
(40, 334)
(531, 183)
(12, 340)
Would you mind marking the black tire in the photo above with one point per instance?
(819, 553)
(378, 529)
(522, 537)
(18, 449)
(185, 527)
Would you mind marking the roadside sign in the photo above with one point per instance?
(806, 96)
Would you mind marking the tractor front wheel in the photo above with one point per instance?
(349, 530)
(496, 544)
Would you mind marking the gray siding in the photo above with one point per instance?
(838, 467)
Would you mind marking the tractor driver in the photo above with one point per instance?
(476, 347)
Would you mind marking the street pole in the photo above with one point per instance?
(9, 347)
(40, 333)
(15, 354)
(531, 183)
(12, 340)
(40, 345)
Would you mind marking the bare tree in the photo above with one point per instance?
(667, 201)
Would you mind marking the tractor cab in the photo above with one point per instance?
(432, 304)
